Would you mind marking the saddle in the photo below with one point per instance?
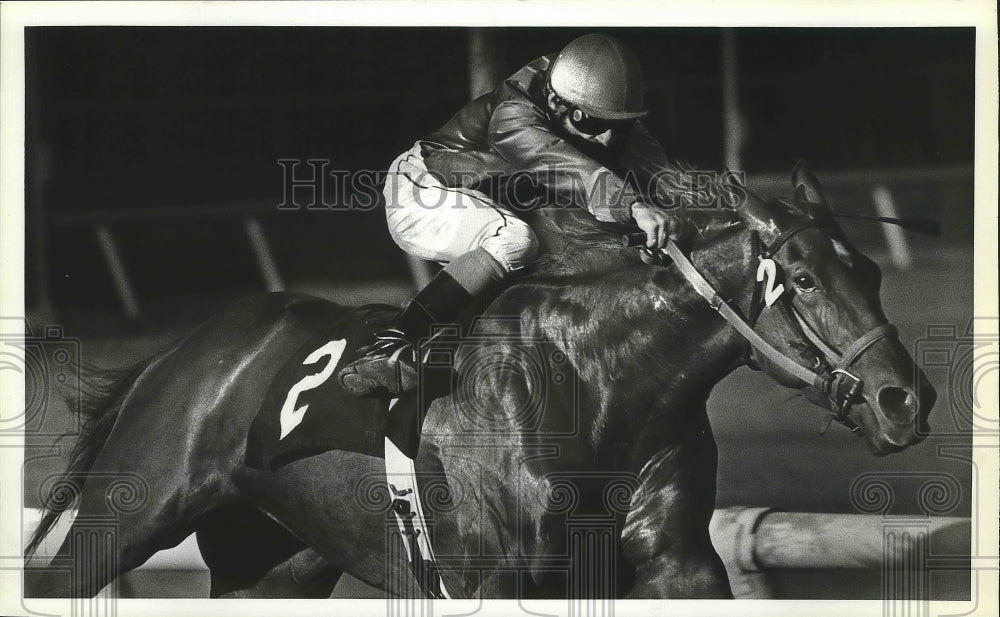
(305, 412)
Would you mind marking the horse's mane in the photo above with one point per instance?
(574, 243)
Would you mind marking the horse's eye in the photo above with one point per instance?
(804, 282)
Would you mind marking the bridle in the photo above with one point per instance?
(830, 383)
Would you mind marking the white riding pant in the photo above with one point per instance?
(435, 222)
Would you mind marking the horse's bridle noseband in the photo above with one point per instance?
(830, 384)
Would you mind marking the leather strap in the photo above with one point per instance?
(859, 346)
(775, 246)
(756, 301)
(831, 354)
(706, 291)
(406, 508)
(827, 383)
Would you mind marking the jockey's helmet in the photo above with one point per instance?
(600, 76)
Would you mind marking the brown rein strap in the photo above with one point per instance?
(832, 382)
(826, 380)
(841, 388)
(706, 291)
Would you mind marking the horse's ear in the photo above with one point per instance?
(808, 193)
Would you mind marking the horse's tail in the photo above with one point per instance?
(101, 393)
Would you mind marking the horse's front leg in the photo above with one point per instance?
(666, 537)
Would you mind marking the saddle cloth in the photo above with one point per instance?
(305, 412)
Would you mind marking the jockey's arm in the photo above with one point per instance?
(519, 132)
(644, 155)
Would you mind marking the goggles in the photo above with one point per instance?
(589, 125)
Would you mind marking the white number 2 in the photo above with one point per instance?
(292, 417)
(769, 270)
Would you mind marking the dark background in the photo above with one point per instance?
(125, 119)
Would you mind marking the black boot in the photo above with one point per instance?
(389, 365)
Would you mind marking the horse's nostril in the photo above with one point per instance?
(898, 404)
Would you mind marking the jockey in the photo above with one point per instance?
(566, 125)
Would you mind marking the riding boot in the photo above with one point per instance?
(388, 365)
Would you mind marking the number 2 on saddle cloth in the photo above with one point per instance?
(305, 412)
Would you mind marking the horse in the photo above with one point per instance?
(573, 456)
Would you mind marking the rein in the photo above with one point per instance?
(831, 384)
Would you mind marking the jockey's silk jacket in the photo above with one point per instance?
(509, 145)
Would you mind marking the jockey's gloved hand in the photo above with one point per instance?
(658, 223)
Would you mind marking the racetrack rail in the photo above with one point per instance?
(751, 542)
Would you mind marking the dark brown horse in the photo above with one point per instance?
(574, 456)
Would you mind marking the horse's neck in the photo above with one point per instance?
(641, 340)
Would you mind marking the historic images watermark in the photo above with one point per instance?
(965, 360)
(313, 184)
(580, 558)
(79, 553)
(961, 360)
(48, 364)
